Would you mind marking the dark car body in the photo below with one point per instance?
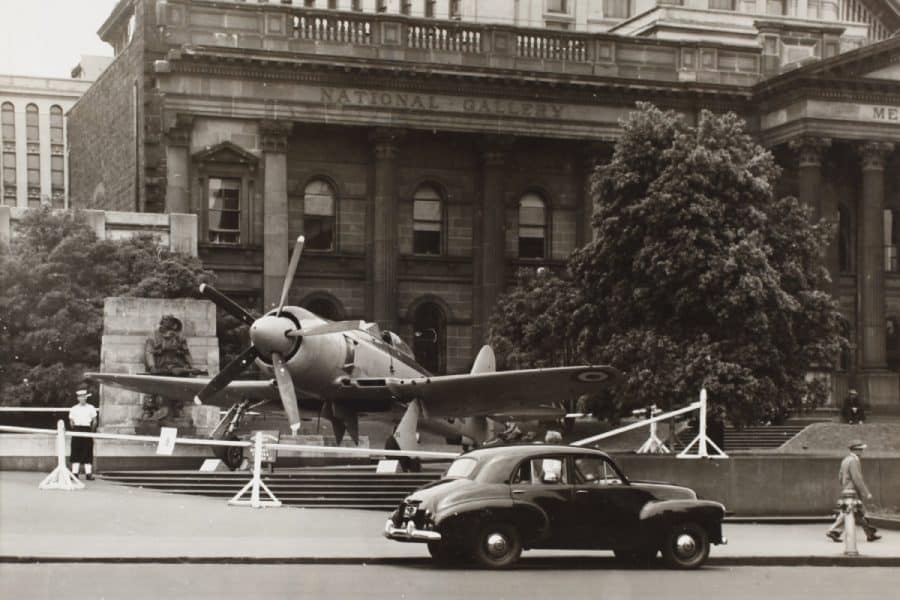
(495, 502)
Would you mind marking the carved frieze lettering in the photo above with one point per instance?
(886, 113)
(431, 102)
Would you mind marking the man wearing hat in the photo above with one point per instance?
(853, 412)
(853, 488)
(83, 417)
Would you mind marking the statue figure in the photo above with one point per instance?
(166, 353)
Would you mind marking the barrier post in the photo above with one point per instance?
(256, 482)
(653, 445)
(850, 527)
(701, 440)
(61, 478)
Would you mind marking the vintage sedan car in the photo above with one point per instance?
(492, 503)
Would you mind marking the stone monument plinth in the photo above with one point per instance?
(127, 324)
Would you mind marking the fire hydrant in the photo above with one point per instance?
(849, 504)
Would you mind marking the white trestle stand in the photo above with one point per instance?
(702, 440)
(61, 478)
(653, 445)
(256, 482)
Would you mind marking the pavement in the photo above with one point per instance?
(108, 522)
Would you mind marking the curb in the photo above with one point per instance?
(574, 562)
(892, 523)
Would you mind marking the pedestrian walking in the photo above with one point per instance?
(853, 491)
(83, 417)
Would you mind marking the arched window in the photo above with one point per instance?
(8, 159)
(57, 157)
(427, 221)
(532, 226)
(318, 215)
(429, 336)
(33, 156)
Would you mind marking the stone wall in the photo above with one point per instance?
(127, 323)
(102, 129)
(178, 232)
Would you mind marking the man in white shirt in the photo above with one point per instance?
(83, 417)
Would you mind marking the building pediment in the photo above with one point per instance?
(876, 61)
(225, 153)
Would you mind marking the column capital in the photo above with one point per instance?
(809, 149)
(273, 135)
(386, 141)
(874, 154)
(494, 149)
(177, 129)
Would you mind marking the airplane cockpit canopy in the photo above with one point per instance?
(397, 342)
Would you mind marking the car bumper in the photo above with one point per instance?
(409, 533)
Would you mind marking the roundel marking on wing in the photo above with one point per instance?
(592, 376)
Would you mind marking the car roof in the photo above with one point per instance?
(523, 450)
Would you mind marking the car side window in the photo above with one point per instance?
(594, 470)
(542, 471)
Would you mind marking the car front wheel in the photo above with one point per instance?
(686, 546)
(497, 546)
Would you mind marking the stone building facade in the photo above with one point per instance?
(427, 158)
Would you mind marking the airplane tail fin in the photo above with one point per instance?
(485, 362)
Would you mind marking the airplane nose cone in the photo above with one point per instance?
(268, 334)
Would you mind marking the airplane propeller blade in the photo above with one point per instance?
(226, 304)
(292, 269)
(287, 393)
(227, 375)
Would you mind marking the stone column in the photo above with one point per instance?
(810, 151)
(273, 141)
(880, 386)
(596, 153)
(491, 252)
(178, 138)
(384, 297)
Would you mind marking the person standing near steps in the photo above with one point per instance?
(83, 417)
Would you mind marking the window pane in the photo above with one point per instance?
(56, 135)
(9, 175)
(319, 232)
(34, 177)
(224, 193)
(427, 210)
(318, 199)
(531, 247)
(224, 214)
(556, 6)
(318, 206)
(427, 241)
(616, 9)
(9, 133)
(31, 115)
(721, 4)
(775, 7)
(7, 114)
(57, 179)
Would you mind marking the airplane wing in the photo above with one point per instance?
(494, 393)
(185, 388)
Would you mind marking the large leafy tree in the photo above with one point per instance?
(699, 275)
(53, 280)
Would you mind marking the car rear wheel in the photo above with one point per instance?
(497, 546)
(686, 546)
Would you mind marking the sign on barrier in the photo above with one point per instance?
(167, 437)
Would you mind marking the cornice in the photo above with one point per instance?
(875, 91)
(495, 84)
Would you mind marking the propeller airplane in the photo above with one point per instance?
(343, 369)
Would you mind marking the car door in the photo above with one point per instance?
(604, 503)
(544, 481)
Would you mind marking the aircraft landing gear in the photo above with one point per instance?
(232, 456)
(407, 464)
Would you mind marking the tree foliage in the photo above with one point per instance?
(53, 280)
(699, 277)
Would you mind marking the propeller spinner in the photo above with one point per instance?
(272, 337)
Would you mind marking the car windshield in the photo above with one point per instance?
(462, 468)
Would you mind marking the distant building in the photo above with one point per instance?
(430, 149)
(33, 135)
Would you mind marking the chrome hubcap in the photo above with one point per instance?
(685, 545)
(497, 544)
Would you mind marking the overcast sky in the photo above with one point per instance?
(46, 38)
